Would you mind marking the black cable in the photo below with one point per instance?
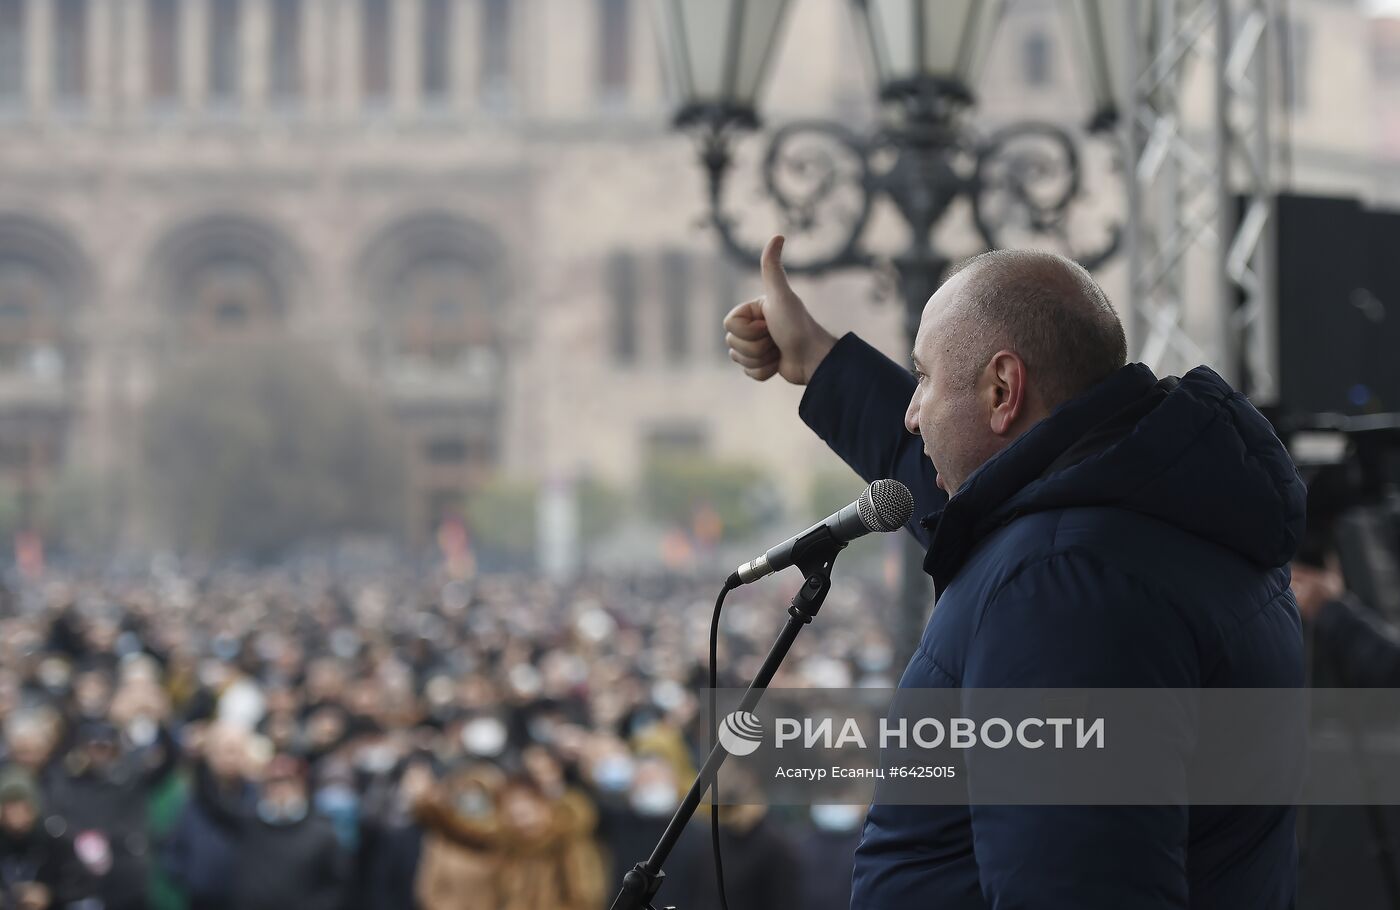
(714, 726)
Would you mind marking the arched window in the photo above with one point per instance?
(435, 292)
(33, 322)
(231, 298)
(225, 277)
(442, 320)
(41, 281)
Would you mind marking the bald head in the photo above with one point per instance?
(1046, 308)
(1009, 336)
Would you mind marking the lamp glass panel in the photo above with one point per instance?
(759, 26)
(675, 59)
(946, 36)
(979, 30)
(893, 39)
(1100, 28)
(705, 35)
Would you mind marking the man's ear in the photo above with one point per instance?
(1006, 375)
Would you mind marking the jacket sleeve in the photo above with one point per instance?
(1070, 621)
(1363, 647)
(855, 401)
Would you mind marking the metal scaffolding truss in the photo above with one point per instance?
(1201, 190)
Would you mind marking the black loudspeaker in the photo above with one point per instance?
(1338, 306)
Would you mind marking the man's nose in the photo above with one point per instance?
(911, 416)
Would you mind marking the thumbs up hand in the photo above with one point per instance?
(775, 334)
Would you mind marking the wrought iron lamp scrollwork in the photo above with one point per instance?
(1022, 183)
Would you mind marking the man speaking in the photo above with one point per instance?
(1088, 525)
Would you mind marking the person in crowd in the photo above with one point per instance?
(200, 851)
(761, 867)
(550, 857)
(141, 709)
(101, 793)
(391, 839)
(38, 868)
(31, 737)
(1362, 645)
(827, 856)
(626, 832)
(433, 738)
(461, 853)
(285, 854)
(337, 799)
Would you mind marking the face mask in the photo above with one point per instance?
(473, 803)
(525, 679)
(439, 691)
(345, 644)
(668, 694)
(128, 643)
(642, 718)
(485, 737)
(288, 813)
(837, 817)
(654, 800)
(377, 759)
(212, 675)
(613, 774)
(875, 658)
(541, 730)
(335, 799)
(141, 732)
(54, 675)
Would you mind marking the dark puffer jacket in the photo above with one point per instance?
(1137, 537)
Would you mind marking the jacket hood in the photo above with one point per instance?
(1191, 452)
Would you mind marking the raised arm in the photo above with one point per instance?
(856, 396)
(855, 403)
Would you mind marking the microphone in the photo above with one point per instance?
(884, 506)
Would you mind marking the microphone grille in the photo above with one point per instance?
(885, 505)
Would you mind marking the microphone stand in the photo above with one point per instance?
(818, 552)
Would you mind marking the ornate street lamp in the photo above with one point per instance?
(921, 158)
(928, 52)
(718, 52)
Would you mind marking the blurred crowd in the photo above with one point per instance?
(274, 739)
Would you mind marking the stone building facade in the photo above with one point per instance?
(472, 207)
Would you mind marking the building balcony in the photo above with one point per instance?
(470, 380)
(22, 390)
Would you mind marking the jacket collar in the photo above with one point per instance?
(1074, 430)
